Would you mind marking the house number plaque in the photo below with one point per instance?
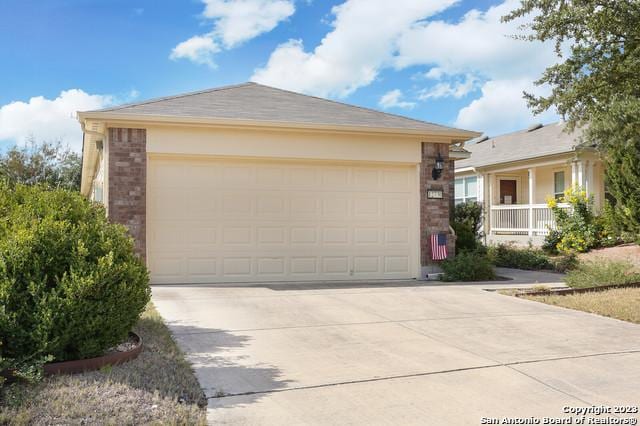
(434, 193)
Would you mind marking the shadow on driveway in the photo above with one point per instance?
(220, 370)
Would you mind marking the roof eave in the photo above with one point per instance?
(454, 135)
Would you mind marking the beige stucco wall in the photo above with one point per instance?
(545, 181)
(282, 144)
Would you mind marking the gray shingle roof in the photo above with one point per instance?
(521, 145)
(256, 102)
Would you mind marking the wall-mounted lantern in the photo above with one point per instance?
(437, 168)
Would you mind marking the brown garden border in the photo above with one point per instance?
(567, 291)
(89, 364)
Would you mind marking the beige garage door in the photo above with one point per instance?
(219, 220)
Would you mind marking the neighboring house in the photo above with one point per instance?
(251, 183)
(513, 175)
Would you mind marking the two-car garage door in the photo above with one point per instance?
(221, 220)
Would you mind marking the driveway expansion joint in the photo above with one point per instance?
(509, 365)
(384, 321)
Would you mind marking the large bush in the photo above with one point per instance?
(466, 221)
(577, 229)
(468, 266)
(70, 283)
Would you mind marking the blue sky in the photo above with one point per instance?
(444, 61)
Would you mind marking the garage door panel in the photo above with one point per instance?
(271, 265)
(304, 177)
(272, 204)
(237, 235)
(238, 176)
(335, 207)
(332, 265)
(303, 235)
(236, 204)
(238, 221)
(396, 264)
(367, 236)
(202, 267)
(236, 266)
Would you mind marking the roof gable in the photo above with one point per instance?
(256, 102)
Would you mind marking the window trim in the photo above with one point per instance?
(558, 195)
(465, 197)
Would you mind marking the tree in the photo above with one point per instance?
(596, 83)
(46, 163)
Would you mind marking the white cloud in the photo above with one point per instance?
(479, 44)
(479, 48)
(455, 89)
(501, 108)
(240, 20)
(361, 43)
(49, 119)
(234, 22)
(198, 49)
(393, 99)
(434, 73)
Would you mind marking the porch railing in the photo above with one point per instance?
(522, 219)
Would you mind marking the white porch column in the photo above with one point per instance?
(588, 178)
(532, 194)
(574, 173)
(489, 202)
(581, 174)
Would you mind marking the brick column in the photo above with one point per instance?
(127, 196)
(435, 213)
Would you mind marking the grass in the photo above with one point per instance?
(157, 387)
(620, 303)
(601, 272)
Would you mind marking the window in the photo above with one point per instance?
(97, 192)
(466, 189)
(558, 185)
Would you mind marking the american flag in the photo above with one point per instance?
(438, 246)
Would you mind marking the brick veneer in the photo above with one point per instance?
(434, 213)
(127, 182)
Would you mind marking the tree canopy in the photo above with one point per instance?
(42, 163)
(595, 84)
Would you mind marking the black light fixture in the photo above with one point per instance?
(438, 167)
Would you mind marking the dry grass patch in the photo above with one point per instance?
(157, 387)
(620, 303)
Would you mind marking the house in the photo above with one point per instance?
(513, 175)
(251, 183)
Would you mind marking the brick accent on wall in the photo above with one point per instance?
(434, 213)
(127, 196)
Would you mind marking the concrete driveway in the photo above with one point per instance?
(395, 353)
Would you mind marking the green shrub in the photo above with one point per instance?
(466, 240)
(599, 273)
(565, 263)
(466, 221)
(577, 229)
(468, 266)
(70, 283)
(507, 256)
(469, 212)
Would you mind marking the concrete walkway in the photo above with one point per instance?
(395, 353)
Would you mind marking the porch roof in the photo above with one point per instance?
(521, 145)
